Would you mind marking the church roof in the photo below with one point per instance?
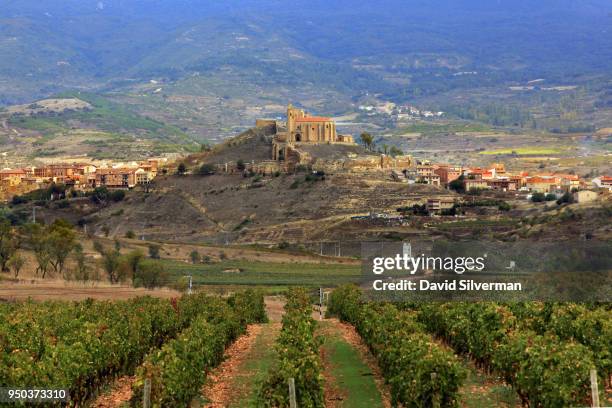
(313, 119)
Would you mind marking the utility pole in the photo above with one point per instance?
(190, 287)
(320, 303)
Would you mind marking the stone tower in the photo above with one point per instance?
(292, 115)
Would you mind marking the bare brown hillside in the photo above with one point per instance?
(231, 207)
(253, 144)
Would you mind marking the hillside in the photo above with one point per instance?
(254, 144)
(84, 125)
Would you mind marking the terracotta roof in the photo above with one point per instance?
(545, 180)
(313, 119)
(12, 171)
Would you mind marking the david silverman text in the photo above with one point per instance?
(461, 285)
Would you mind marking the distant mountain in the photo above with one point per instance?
(354, 47)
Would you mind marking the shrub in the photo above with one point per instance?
(538, 197)
(154, 251)
(550, 197)
(206, 170)
(194, 256)
(504, 206)
(567, 198)
(117, 195)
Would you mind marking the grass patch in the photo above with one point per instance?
(441, 128)
(352, 376)
(481, 391)
(257, 365)
(524, 151)
(231, 272)
(477, 224)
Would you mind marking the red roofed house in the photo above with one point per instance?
(122, 178)
(12, 177)
(542, 184)
(448, 173)
(604, 182)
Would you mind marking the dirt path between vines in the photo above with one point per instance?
(119, 394)
(234, 383)
(334, 395)
(219, 389)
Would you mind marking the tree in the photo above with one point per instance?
(82, 269)
(458, 185)
(240, 166)
(61, 240)
(98, 247)
(195, 256)
(206, 170)
(130, 234)
(538, 197)
(16, 263)
(131, 262)
(550, 197)
(566, 198)
(8, 244)
(36, 238)
(151, 274)
(110, 263)
(395, 151)
(100, 195)
(367, 140)
(181, 169)
(385, 148)
(154, 251)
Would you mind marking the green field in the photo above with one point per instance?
(232, 272)
(526, 151)
(441, 128)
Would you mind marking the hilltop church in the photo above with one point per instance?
(302, 128)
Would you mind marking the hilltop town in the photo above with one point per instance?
(312, 143)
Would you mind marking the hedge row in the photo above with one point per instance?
(178, 370)
(544, 370)
(298, 358)
(421, 372)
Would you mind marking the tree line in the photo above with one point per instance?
(58, 252)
